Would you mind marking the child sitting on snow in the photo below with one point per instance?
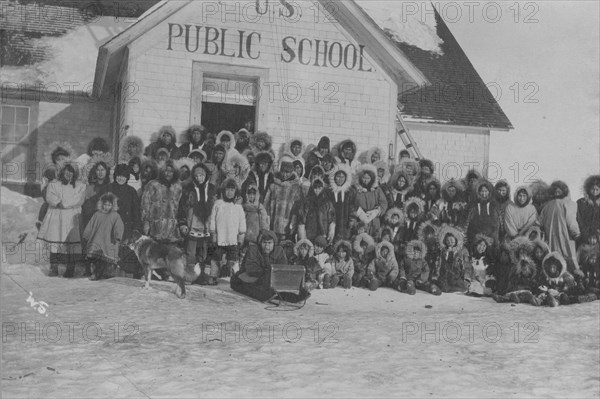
(320, 245)
(556, 282)
(415, 273)
(383, 270)
(481, 274)
(453, 262)
(303, 255)
(342, 267)
(364, 252)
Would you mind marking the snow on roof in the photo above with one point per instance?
(72, 57)
(416, 29)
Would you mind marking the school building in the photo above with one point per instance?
(296, 69)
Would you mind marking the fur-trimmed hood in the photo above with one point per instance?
(501, 183)
(524, 266)
(316, 171)
(556, 256)
(425, 230)
(148, 162)
(110, 197)
(264, 136)
(179, 163)
(532, 229)
(311, 248)
(345, 244)
(386, 174)
(484, 183)
(186, 137)
(130, 147)
(240, 161)
(433, 181)
(460, 190)
(410, 249)
(407, 164)
(412, 202)
(590, 181)
(559, 184)
(395, 211)
(393, 182)
(344, 168)
(161, 173)
(390, 248)
(427, 163)
(457, 234)
(366, 169)
(489, 242)
(370, 152)
(63, 148)
(363, 237)
(471, 174)
(157, 136)
(231, 139)
(516, 193)
(266, 234)
(539, 192)
(251, 185)
(338, 149)
(226, 183)
(541, 244)
(106, 158)
(261, 157)
(287, 149)
(518, 247)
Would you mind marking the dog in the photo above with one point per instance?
(153, 255)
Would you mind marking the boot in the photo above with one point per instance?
(373, 284)
(212, 281)
(435, 290)
(563, 298)
(551, 301)
(88, 269)
(335, 280)
(327, 282)
(98, 272)
(410, 288)
(70, 272)
(53, 270)
(501, 298)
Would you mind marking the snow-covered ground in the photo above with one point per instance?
(114, 339)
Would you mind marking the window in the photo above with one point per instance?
(228, 102)
(15, 123)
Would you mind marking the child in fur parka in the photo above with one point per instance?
(103, 234)
(195, 207)
(383, 270)
(415, 272)
(363, 253)
(556, 283)
(414, 209)
(346, 154)
(343, 197)
(341, 267)
(227, 228)
(369, 198)
(482, 274)
(304, 256)
(454, 261)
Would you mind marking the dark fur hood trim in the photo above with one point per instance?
(136, 142)
(559, 184)
(590, 181)
(363, 237)
(372, 171)
(410, 248)
(108, 197)
(267, 234)
(311, 248)
(261, 136)
(488, 185)
(501, 183)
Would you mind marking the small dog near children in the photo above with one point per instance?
(153, 255)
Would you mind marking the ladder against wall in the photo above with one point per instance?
(406, 137)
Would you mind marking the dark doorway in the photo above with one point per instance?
(217, 116)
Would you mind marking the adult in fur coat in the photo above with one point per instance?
(370, 200)
(316, 213)
(262, 142)
(343, 197)
(346, 154)
(294, 148)
(261, 175)
(519, 215)
(502, 198)
(559, 220)
(484, 217)
(281, 197)
(165, 138)
(314, 157)
(588, 208)
(160, 203)
(193, 139)
(452, 207)
(398, 189)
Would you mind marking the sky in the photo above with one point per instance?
(548, 73)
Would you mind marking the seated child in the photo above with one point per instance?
(415, 273)
(103, 234)
(342, 267)
(303, 255)
(383, 270)
(320, 245)
(364, 252)
(556, 282)
(414, 211)
(523, 277)
(394, 220)
(428, 233)
(453, 261)
(588, 256)
(482, 274)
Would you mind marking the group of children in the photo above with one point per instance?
(350, 219)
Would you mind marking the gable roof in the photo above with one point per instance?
(351, 17)
(457, 94)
